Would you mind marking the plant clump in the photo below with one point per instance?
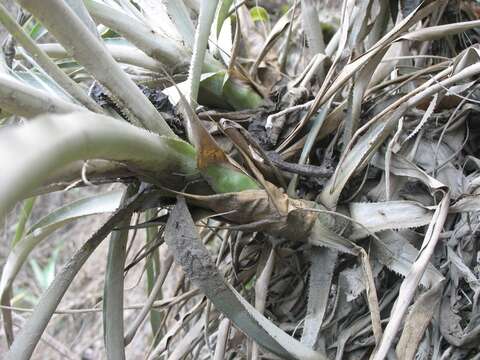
(298, 179)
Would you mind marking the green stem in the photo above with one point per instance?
(205, 20)
(29, 154)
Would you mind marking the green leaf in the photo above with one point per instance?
(37, 272)
(113, 288)
(30, 334)
(37, 30)
(251, 283)
(223, 12)
(44, 276)
(47, 225)
(218, 88)
(178, 13)
(153, 271)
(24, 216)
(41, 82)
(259, 13)
(49, 270)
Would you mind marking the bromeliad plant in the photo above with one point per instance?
(227, 168)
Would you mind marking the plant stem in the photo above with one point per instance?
(205, 20)
(83, 136)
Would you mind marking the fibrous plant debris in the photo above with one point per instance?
(314, 178)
